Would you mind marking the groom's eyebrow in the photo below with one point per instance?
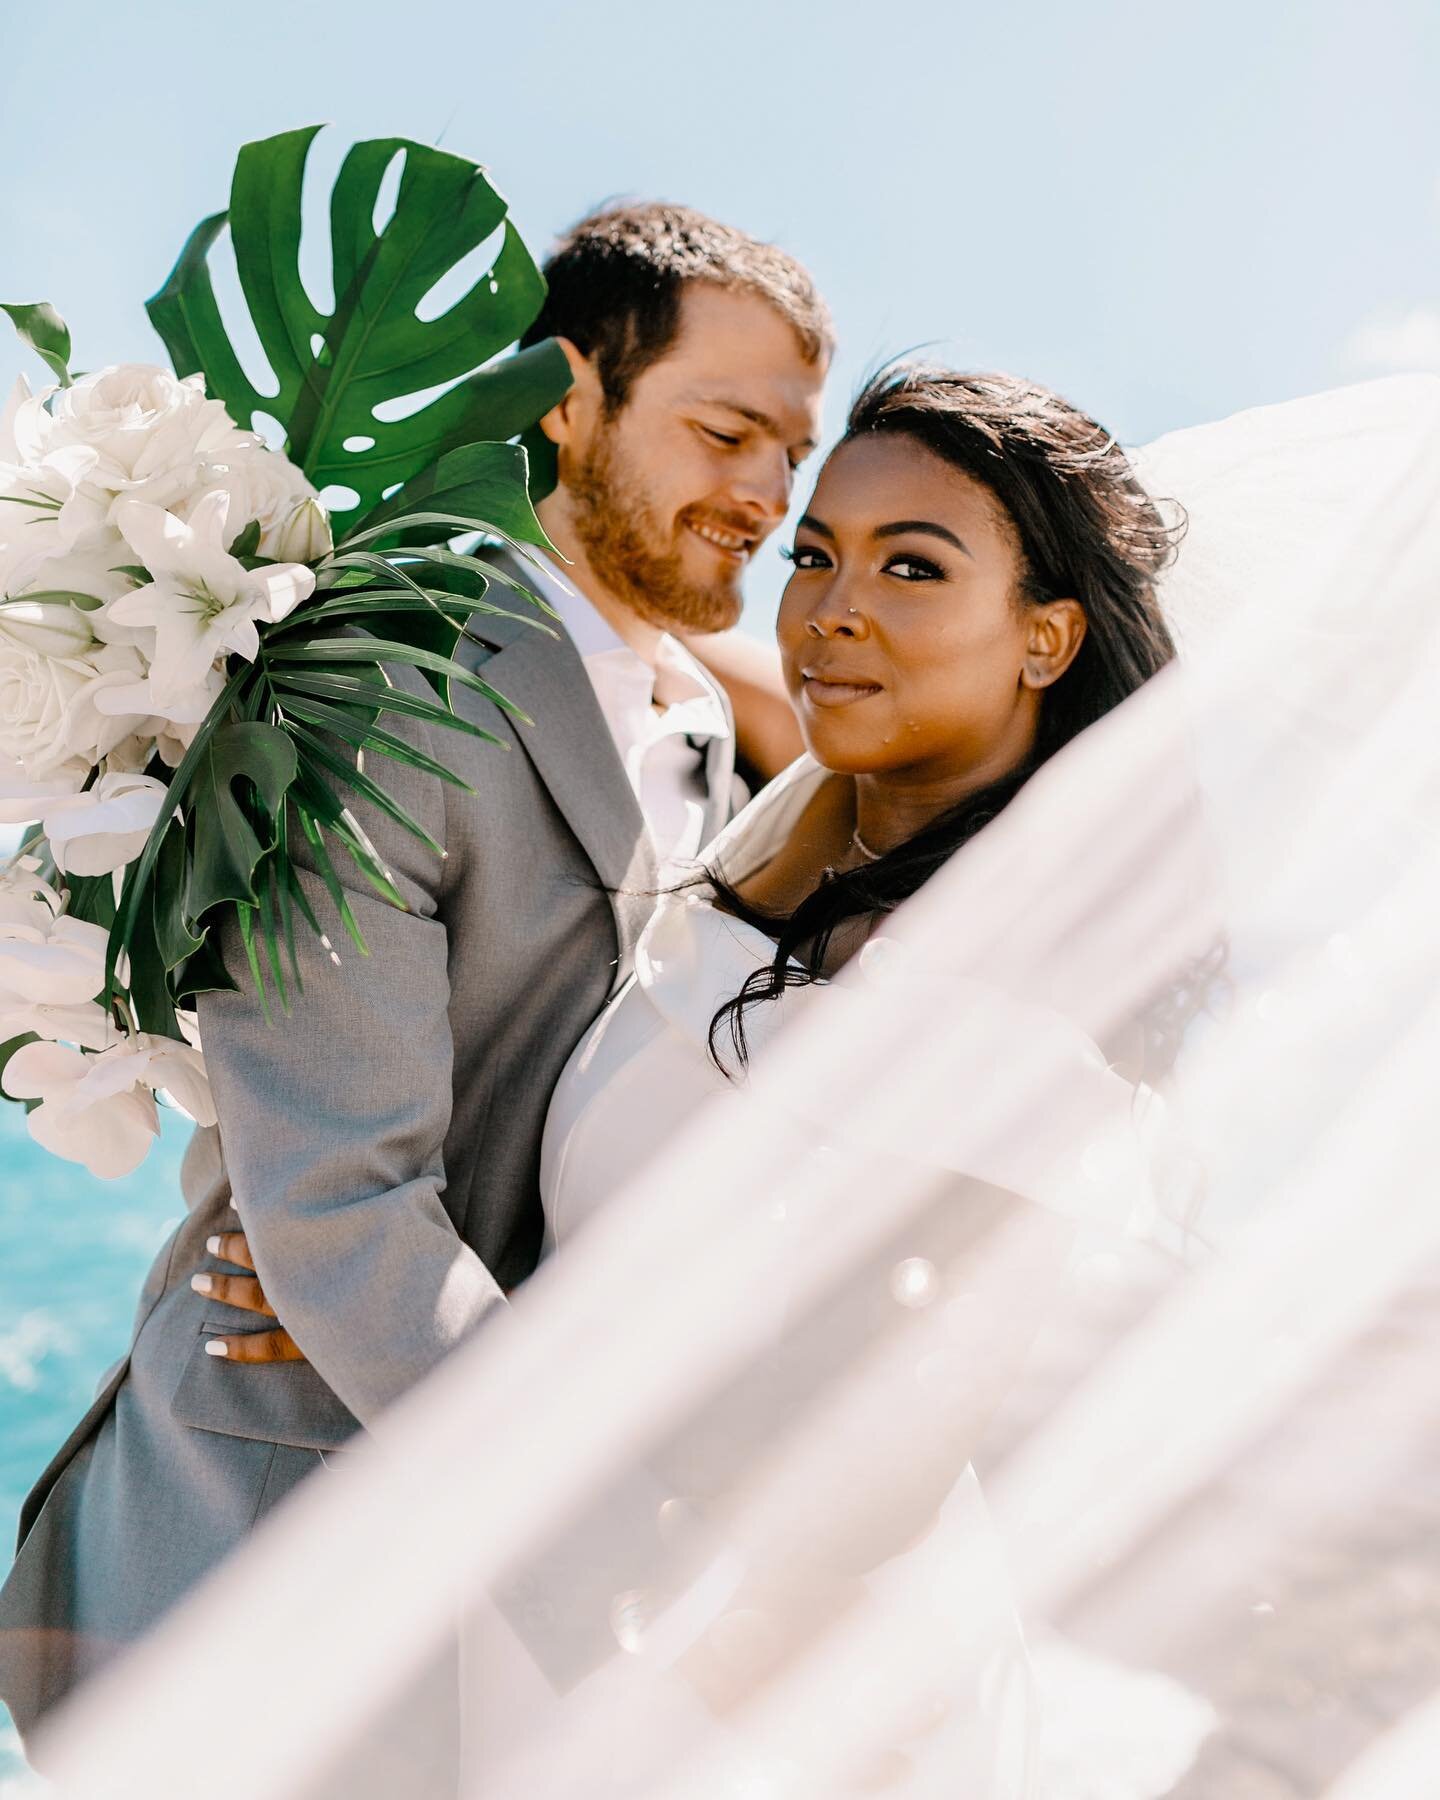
(903, 527)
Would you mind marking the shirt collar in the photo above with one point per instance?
(677, 680)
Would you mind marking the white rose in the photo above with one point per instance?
(50, 722)
(100, 1110)
(104, 828)
(264, 487)
(46, 957)
(203, 603)
(142, 422)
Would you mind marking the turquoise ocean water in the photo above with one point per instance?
(73, 1252)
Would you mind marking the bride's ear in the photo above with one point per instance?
(1056, 632)
(573, 419)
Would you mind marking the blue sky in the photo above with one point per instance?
(1168, 212)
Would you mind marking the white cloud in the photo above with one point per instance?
(1397, 340)
(22, 1351)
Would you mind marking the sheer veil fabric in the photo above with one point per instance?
(1275, 794)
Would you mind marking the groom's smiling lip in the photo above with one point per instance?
(736, 545)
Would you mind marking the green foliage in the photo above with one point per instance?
(334, 369)
(291, 740)
(46, 333)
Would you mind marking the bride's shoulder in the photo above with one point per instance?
(764, 825)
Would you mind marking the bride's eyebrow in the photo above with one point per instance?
(903, 527)
(809, 522)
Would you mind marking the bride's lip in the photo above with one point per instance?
(831, 690)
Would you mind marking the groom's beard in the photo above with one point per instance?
(626, 549)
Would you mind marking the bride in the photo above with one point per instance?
(973, 585)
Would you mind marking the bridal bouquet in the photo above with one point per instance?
(196, 629)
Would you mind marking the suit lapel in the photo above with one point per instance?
(570, 746)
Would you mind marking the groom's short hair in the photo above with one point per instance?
(616, 279)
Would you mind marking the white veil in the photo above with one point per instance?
(1277, 795)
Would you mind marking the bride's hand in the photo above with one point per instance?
(245, 1292)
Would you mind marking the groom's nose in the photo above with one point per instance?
(764, 485)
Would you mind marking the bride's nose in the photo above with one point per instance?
(832, 616)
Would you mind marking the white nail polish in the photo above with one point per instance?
(217, 1347)
(202, 1284)
(212, 1244)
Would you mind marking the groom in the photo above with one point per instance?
(381, 1144)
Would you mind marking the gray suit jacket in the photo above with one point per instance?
(382, 1144)
(381, 1147)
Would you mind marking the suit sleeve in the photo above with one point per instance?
(333, 1118)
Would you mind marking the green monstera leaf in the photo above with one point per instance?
(334, 370)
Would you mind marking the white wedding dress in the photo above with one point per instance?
(644, 1070)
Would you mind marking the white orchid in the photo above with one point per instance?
(87, 1024)
(203, 603)
(46, 957)
(104, 828)
(100, 1110)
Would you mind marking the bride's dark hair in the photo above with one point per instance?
(1087, 531)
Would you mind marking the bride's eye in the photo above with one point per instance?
(805, 556)
(914, 568)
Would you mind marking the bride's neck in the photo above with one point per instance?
(890, 809)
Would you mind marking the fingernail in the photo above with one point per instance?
(217, 1347)
(212, 1244)
(202, 1284)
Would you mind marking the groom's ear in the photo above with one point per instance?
(571, 422)
(1057, 630)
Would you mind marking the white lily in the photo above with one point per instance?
(47, 509)
(203, 603)
(104, 828)
(25, 424)
(23, 799)
(49, 627)
(304, 535)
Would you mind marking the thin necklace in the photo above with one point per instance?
(872, 856)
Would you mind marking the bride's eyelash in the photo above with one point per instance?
(930, 571)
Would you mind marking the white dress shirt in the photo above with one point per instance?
(661, 719)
